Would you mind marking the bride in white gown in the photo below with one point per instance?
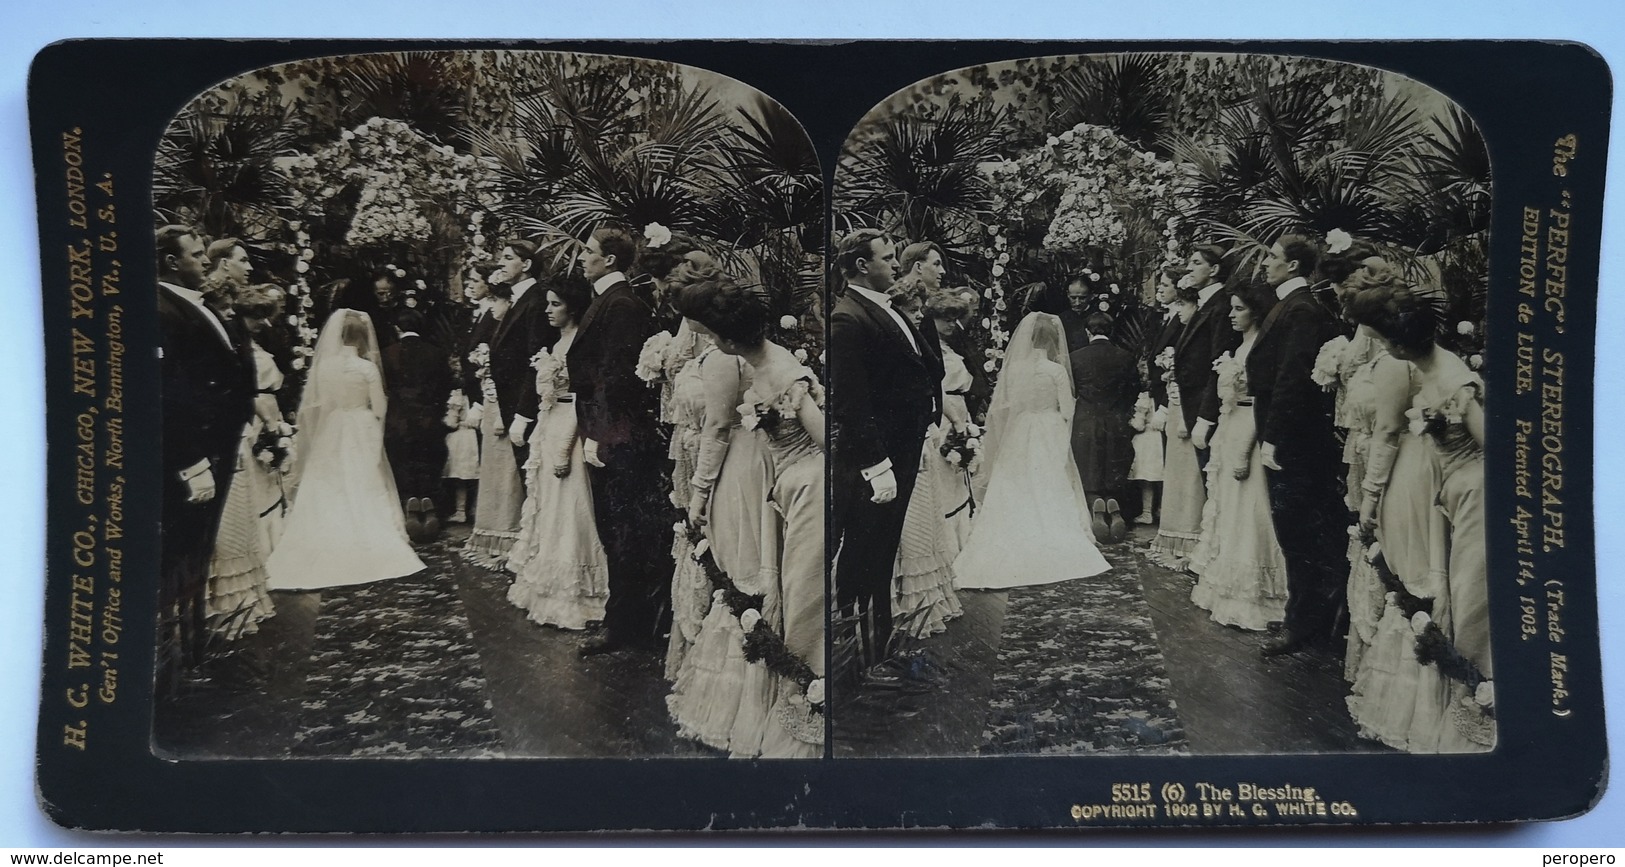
(1033, 524)
(346, 525)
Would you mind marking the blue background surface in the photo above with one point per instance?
(26, 30)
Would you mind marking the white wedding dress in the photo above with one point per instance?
(345, 526)
(1032, 526)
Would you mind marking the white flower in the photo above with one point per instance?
(749, 619)
(656, 236)
(1485, 693)
(265, 457)
(293, 320)
(815, 691)
(998, 270)
(298, 364)
(284, 442)
(1373, 552)
(421, 285)
(990, 367)
(801, 355)
(1052, 141)
(477, 216)
(1420, 621)
(1464, 328)
(1105, 306)
(1475, 362)
(1093, 277)
(1116, 289)
(284, 428)
(400, 272)
(701, 550)
(748, 419)
(973, 443)
(1337, 241)
(968, 297)
(954, 457)
(479, 240)
(973, 429)
(307, 254)
(986, 322)
(787, 322)
(302, 266)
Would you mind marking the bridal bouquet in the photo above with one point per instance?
(274, 446)
(551, 378)
(962, 449)
(1165, 360)
(652, 358)
(481, 359)
(1329, 362)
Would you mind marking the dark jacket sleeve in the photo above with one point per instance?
(1222, 339)
(855, 437)
(1296, 400)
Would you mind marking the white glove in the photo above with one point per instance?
(200, 487)
(885, 485)
(590, 450)
(516, 433)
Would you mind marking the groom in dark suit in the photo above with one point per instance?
(208, 393)
(1299, 448)
(885, 382)
(615, 412)
(517, 338)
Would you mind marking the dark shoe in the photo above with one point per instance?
(1119, 530)
(431, 520)
(1102, 531)
(602, 645)
(1288, 643)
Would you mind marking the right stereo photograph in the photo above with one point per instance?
(1156, 413)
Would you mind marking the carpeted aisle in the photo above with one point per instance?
(395, 672)
(1080, 670)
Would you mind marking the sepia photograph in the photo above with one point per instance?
(492, 413)
(1157, 412)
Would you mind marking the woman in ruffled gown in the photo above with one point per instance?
(1344, 367)
(251, 520)
(561, 576)
(502, 492)
(1241, 572)
(946, 309)
(718, 697)
(1183, 493)
(785, 403)
(1033, 526)
(1421, 709)
(346, 525)
(923, 575)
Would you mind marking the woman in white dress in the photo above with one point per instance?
(561, 577)
(346, 525)
(1033, 525)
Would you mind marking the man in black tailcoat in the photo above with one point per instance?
(417, 375)
(1206, 337)
(1298, 445)
(207, 374)
(1107, 384)
(885, 382)
(515, 341)
(616, 416)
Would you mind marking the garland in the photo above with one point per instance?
(1433, 647)
(761, 643)
(1409, 603)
